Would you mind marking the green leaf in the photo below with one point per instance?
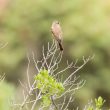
(46, 100)
(99, 102)
(48, 86)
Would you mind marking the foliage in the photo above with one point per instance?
(48, 86)
(6, 93)
(98, 104)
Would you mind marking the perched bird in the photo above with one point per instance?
(57, 33)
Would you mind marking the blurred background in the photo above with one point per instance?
(25, 26)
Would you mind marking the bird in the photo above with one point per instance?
(57, 33)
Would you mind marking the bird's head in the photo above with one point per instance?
(56, 22)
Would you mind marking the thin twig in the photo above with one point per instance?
(85, 61)
(28, 72)
(3, 45)
(54, 103)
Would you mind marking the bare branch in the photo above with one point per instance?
(85, 62)
(2, 77)
(54, 103)
(50, 61)
(63, 103)
(36, 63)
(3, 45)
(28, 72)
(70, 100)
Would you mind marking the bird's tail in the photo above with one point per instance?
(60, 45)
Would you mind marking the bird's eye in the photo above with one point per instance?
(57, 22)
